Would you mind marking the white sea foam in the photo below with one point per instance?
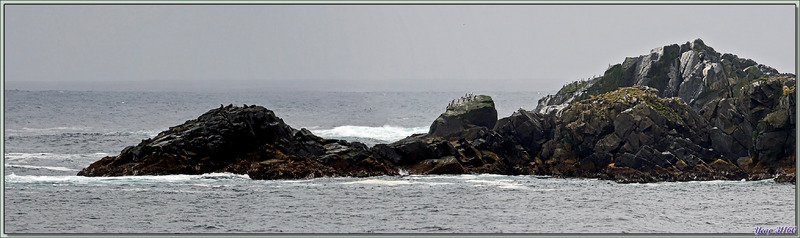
(503, 183)
(13, 178)
(60, 128)
(221, 176)
(44, 131)
(393, 182)
(384, 133)
(50, 156)
(475, 176)
(56, 168)
(402, 172)
(379, 182)
(146, 133)
(65, 129)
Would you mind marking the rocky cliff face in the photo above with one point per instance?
(735, 121)
(733, 95)
(692, 71)
(633, 135)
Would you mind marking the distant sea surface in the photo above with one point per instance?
(50, 135)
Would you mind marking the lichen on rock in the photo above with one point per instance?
(463, 113)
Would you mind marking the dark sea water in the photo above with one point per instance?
(50, 135)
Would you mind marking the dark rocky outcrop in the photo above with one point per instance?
(528, 129)
(633, 135)
(775, 132)
(682, 112)
(252, 140)
(756, 129)
(246, 140)
(738, 98)
(427, 154)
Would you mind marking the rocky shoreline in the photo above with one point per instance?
(681, 113)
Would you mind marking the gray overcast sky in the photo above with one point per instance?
(366, 48)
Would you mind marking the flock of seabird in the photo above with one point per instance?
(468, 97)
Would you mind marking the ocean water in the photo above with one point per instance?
(50, 135)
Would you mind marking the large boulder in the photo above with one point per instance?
(464, 113)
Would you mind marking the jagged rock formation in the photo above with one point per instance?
(655, 138)
(760, 123)
(732, 94)
(530, 130)
(692, 71)
(245, 140)
(683, 112)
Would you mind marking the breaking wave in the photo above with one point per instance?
(382, 134)
(37, 179)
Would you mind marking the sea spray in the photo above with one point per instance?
(385, 134)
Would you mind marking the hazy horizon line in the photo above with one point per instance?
(239, 85)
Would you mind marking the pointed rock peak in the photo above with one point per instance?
(697, 43)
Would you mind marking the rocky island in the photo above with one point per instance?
(681, 113)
